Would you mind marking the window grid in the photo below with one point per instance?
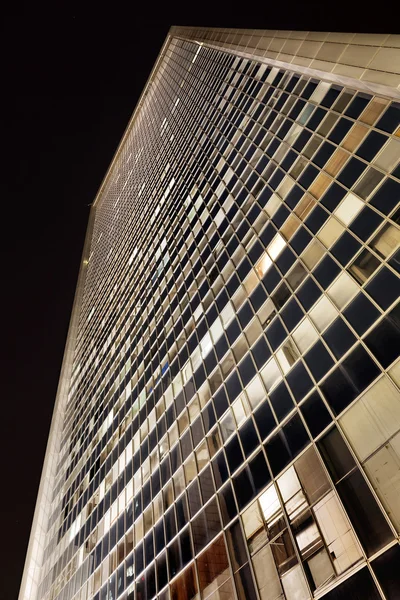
(270, 248)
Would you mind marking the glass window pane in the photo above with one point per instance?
(213, 564)
(383, 470)
(337, 533)
(244, 584)
(268, 582)
(315, 414)
(185, 586)
(323, 313)
(294, 585)
(386, 568)
(358, 587)
(236, 546)
(373, 419)
(358, 500)
(311, 475)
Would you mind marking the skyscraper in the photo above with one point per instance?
(227, 423)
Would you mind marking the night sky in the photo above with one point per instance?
(70, 79)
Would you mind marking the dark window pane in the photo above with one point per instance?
(326, 271)
(227, 503)
(264, 419)
(186, 547)
(323, 154)
(391, 118)
(280, 216)
(281, 401)
(248, 437)
(277, 452)
(340, 130)
(296, 435)
(271, 278)
(358, 587)
(220, 469)
(209, 417)
(186, 444)
(364, 512)
(330, 96)
(139, 560)
(243, 486)
(220, 402)
(162, 573)
(357, 105)
(150, 582)
(257, 299)
(300, 240)
(395, 261)
(259, 471)
(182, 514)
(309, 293)
(236, 546)
(396, 171)
(247, 369)
(149, 548)
(318, 360)
(386, 568)
(234, 454)
(351, 172)
(233, 386)
(315, 414)
(299, 381)
(174, 559)
(336, 454)
(316, 219)
(261, 352)
(339, 338)
(387, 196)
(384, 339)
(221, 347)
(245, 314)
(345, 248)
(292, 314)
(285, 260)
(366, 223)
(339, 390)
(210, 362)
(294, 196)
(159, 536)
(244, 584)
(316, 118)
(275, 334)
(384, 288)
(361, 313)
(301, 141)
(333, 196)
(361, 369)
(233, 332)
(371, 146)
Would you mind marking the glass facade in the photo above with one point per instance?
(231, 428)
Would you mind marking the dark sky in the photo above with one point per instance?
(70, 78)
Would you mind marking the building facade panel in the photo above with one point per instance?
(231, 427)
